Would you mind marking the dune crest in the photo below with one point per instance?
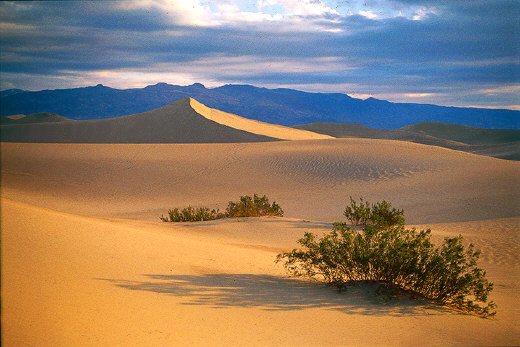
(253, 126)
(183, 121)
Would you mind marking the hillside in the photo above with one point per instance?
(184, 121)
(465, 134)
(40, 117)
(498, 143)
(277, 106)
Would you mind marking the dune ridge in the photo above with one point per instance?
(498, 143)
(254, 126)
(183, 121)
(40, 117)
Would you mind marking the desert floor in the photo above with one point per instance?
(86, 260)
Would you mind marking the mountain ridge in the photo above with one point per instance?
(276, 106)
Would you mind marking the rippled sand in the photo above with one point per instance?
(86, 261)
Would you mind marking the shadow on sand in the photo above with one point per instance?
(276, 293)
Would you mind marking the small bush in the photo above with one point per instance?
(358, 214)
(245, 207)
(189, 214)
(253, 207)
(381, 214)
(395, 257)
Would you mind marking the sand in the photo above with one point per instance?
(252, 126)
(183, 121)
(86, 261)
(497, 143)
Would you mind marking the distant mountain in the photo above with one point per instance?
(8, 92)
(498, 143)
(278, 106)
(40, 117)
(184, 121)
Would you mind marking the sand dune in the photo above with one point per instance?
(86, 261)
(253, 126)
(184, 121)
(311, 179)
(71, 280)
(498, 143)
(40, 117)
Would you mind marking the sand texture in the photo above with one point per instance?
(86, 261)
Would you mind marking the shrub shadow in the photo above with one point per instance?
(276, 294)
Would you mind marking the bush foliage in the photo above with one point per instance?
(190, 214)
(253, 207)
(387, 253)
(246, 207)
(379, 214)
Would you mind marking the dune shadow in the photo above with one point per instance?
(276, 294)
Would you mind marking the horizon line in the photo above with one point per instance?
(488, 107)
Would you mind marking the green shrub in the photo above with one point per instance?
(395, 257)
(189, 214)
(380, 213)
(245, 207)
(253, 207)
(358, 214)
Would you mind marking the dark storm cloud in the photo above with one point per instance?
(460, 43)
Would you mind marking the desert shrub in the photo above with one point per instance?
(358, 214)
(246, 207)
(395, 257)
(380, 213)
(253, 207)
(190, 214)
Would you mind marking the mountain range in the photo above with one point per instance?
(277, 106)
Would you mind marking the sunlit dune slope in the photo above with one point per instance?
(311, 179)
(69, 280)
(184, 121)
(253, 126)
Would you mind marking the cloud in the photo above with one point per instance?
(512, 89)
(445, 51)
(368, 14)
(423, 13)
(418, 95)
(185, 12)
(302, 7)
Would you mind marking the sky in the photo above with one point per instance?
(444, 52)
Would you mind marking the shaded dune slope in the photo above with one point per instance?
(40, 117)
(498, 143)
(464, 133)
(178, 122)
